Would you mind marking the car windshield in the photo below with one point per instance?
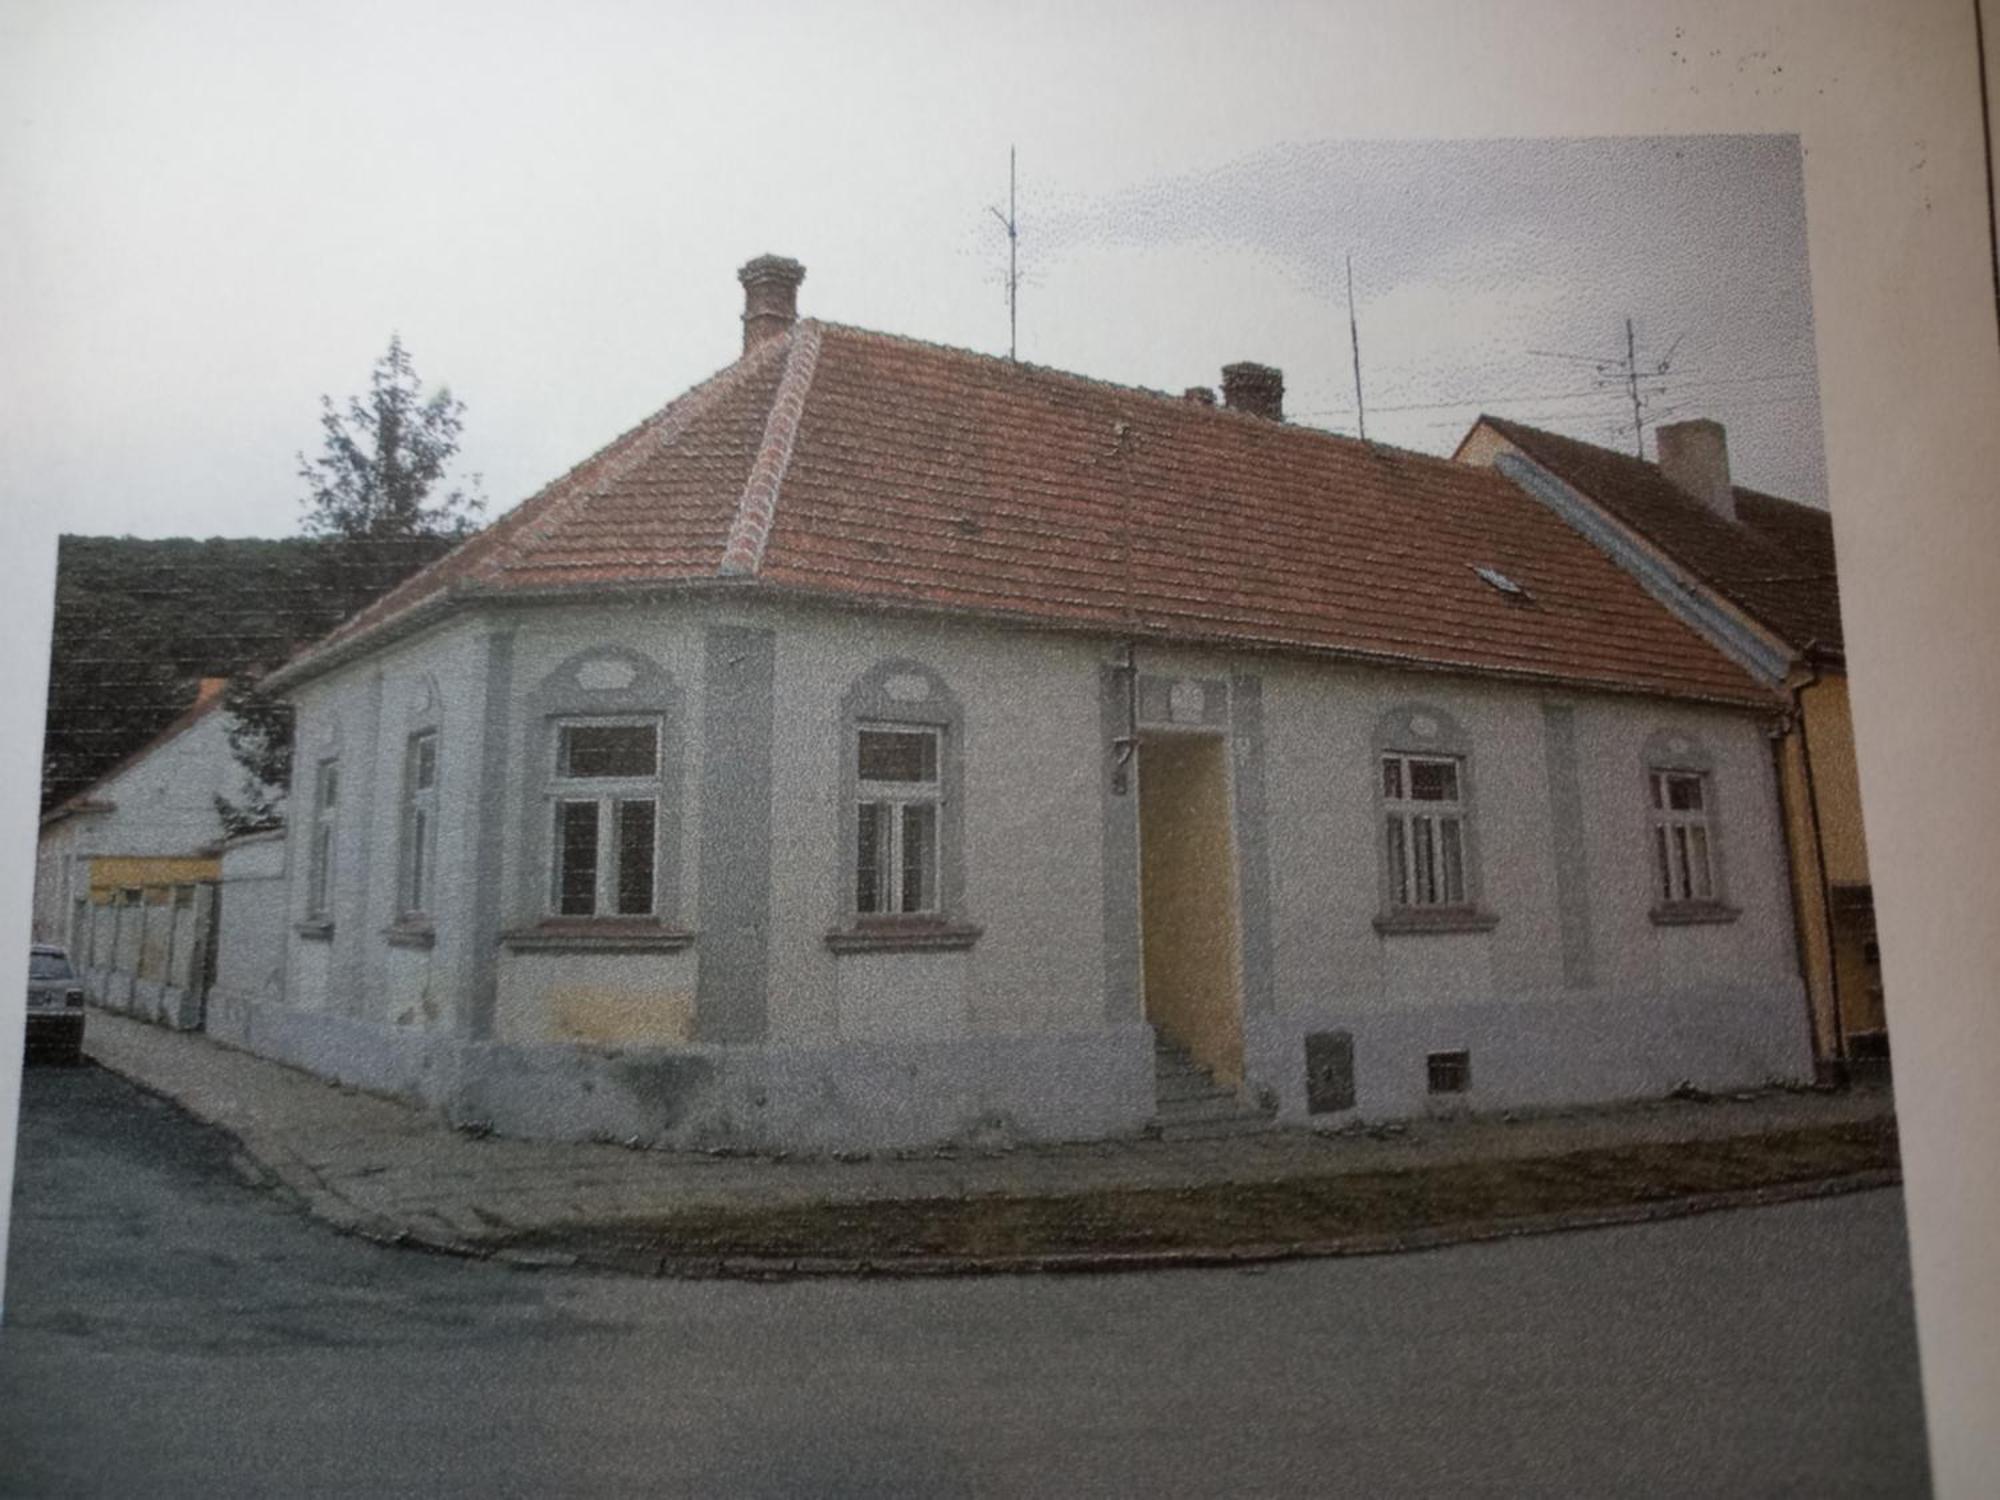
(48, 966)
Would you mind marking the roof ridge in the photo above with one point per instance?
(1688, 506)
(498, 533)
(757, 507)
(1805, 506)
(664, 427)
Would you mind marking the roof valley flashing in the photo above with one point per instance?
(1764, 563)
(1758, 653)
(843, 466)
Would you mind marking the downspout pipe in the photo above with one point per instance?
(1819, 857)
(1126, 746)
(1780, 731)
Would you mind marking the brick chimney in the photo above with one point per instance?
(1694, 458)
(770, 297)
(1257, 389)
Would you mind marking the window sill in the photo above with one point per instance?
(903, 935)
(411, 934)
(319, 930)
(1409, 920)
(1693, 913)
(596, 935)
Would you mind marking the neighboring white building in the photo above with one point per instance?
(884, 744)
(150, 817)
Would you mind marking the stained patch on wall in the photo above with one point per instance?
(590, 1014)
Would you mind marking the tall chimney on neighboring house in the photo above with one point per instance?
(1694, 459)
(770, 297)
(1257, 389)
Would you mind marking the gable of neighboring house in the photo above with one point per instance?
(150, 819)
(1773, 559)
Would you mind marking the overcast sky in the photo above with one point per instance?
(222, 212)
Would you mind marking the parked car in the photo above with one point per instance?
(55, 1004)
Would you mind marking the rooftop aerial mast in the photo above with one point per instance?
(1012, 225)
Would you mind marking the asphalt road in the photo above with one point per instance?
(173, 1331)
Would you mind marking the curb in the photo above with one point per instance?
(1112, 1262)
(307, 1191)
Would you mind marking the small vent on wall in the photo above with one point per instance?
(1450, 1072)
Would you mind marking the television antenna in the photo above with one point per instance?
(1010, 223)
(1354, 338)
(1626, 370)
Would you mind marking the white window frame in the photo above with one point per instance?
(1422, 820)
(900, 796)
(1681, 841)
(418, 878)
(608, 794)
(320, 858)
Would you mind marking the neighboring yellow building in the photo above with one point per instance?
(1756, 575)
(111, 873)
(1836, 904)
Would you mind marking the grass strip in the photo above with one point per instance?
(1228, 1215)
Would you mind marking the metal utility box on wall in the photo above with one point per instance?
(1329, 1071)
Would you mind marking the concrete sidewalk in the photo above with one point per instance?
(378, 1167)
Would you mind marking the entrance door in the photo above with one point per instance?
(1187, 899)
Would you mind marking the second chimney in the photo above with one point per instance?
(1694, 459)
(1257, 389)
(770, 297)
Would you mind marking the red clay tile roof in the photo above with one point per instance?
(840, 464)
(1775, 562)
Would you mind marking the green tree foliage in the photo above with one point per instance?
(260, 738)
(380, 475)
(378, 495)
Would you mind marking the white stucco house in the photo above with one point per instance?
(887, 744)
(152, 816)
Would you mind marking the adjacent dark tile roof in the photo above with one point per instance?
(1775, 562)
(841, 464)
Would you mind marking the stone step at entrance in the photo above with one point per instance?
(1190, 1105)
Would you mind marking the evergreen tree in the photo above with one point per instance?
(379, 502)
(383, 461)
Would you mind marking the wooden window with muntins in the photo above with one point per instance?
(898, 796)
(1425, 829)
(606, 794)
